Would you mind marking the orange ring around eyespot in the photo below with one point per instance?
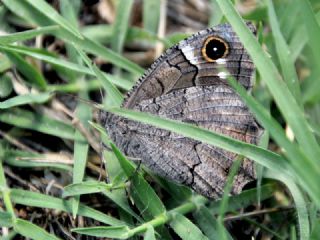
(203, 50)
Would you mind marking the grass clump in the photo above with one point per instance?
(51, 178)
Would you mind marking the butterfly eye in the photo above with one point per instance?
(214, 48)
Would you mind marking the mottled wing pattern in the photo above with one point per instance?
(201, 166)
(183, 85)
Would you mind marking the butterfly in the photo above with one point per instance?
(187, 84)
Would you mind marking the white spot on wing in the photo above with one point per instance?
(188, 51)
(221, 61)
(222, 75)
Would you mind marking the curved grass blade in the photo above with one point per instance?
(301, 164)
(54, 16)
(300, 203)
(263, 157)
(282, 96)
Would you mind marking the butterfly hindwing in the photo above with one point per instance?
(184, 160)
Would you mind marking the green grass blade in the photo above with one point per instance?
(32, 15)
(223, 234)
(282, 96)
(120, 25)
(316, 230)
(93, 84)
(312, 26)
(300, 203)
(81, 149)
(100, 33)
(70, 11)
(244, 199)
(120, 232)
(263, 157)
(145, 198)
(26, 35)
(298, 42)
(113, 93)
(42, 55)
(105, 53)
(6, 85)
(29, 230)
(302, 165)
(286, 60)
(34, 199)
(207, 222)
(216, 14)
(31, 74)
(5, 63)
(25, 99)
(185, 228)
(26, 119)
(5, 192)
(54, 16)
(151, 15)
(119, 196)
(5, 219)
(85, 188)
(27, 12)
(149, 235)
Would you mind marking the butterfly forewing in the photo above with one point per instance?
(188, 84)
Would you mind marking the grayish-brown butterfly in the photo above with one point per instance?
(186, 83)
